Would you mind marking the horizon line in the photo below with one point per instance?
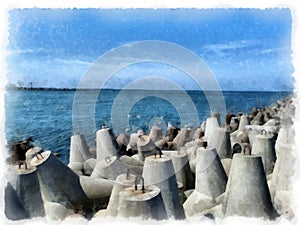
(133, 89)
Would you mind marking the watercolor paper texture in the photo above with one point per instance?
(97, 89)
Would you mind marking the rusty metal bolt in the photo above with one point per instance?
(127, 174)
(22, 163)
(141, 138)
(263, 132)
(107, 159)
(159, 151)
(247, 150)
(37, 154)
(138, 178)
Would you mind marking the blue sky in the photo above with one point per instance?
(245, 49)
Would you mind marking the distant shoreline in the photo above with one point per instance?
(41, 88)
(112, 89)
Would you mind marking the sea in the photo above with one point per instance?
(51, 116)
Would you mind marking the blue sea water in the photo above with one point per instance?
(47, 115)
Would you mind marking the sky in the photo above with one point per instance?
(245, 49)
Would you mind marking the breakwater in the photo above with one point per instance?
(211, 171)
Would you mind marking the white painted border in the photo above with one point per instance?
(5, 5)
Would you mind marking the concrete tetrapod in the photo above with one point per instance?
(132, 145)
(234, 124)
(79, 150)
(88, 166)
(31, 153)
(172, 132)
(281, 185)
(156, 133)
(123, 140)
(146, 147)
(183, 137)
(211, 178)
(254, 130)
(221, 141)
(244, 120)
(58, 182)
(163, 143)
(286, 136)
(199, 133)
(131, 161)
(244, 148)
(56, 212)
(77, 167)
(183, 170)
(247, 192)
(284, 169)
(210, 129)
(98, 191)
(28, 189)
(144, 202)
(218, 116)
(122, 181)
(160, 172)
(135, 165)
(107, 145)
(242, 137)
(14, 208)
(265, 147)
(96, 188)
(197, 203)
(109, 168)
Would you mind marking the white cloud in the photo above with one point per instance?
(218, 48)
(66, 72)
(276, 50)
(251, 50)
(74, 62)
(25, 51)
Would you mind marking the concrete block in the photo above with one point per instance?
(106, 144)
(247, 192)
(160, 172)
(211, 178)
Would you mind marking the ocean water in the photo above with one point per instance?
(48, 116)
